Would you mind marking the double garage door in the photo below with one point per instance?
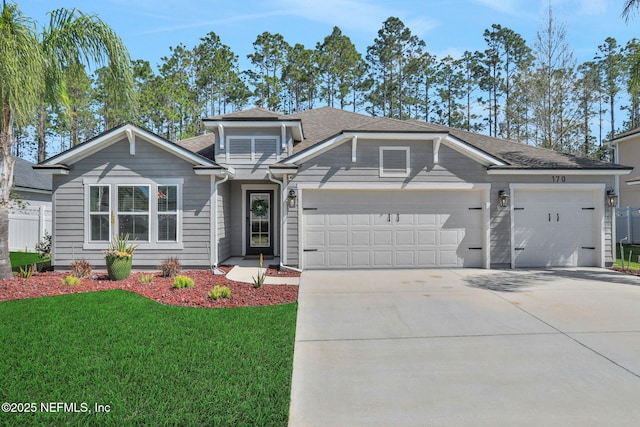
(387, 229)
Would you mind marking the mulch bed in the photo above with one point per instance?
(161, 289)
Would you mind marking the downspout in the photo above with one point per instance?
(283, 241)
(214, 228)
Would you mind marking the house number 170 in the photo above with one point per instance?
(559, 178)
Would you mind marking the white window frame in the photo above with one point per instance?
(405, 174)
(90, 214)
(153, 184)
(229, 138)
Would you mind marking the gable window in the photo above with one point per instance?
(394, 161)
(252, 149)
(99, 210)
(167, 213)
(133, 211)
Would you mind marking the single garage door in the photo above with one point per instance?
(556, 228)
(387, 229)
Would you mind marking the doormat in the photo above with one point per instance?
(255, 257)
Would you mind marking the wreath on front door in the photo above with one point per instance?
(259, 208)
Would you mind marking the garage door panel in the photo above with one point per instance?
(315, 238)
(383, 259)
(338, 238)
(314, 219)
(360, 238)
(405, 258)
(338, 259)
(427, 237)
(382, 237)
(315, 260)
(360, 220)
(449, 237)
(338, 219)
(405, 237)
(360, 259)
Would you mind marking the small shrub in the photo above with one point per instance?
(258, 281)
(146, 278)
(71, 281)
(26, 272)
(219, 292)
(183, 282)
(43, 247)
(170, 267)
(81, 269)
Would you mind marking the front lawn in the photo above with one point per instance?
(148, 363)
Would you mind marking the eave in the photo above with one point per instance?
(560, 171)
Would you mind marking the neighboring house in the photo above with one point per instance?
(328, 188)
(30, 213)
(627, 150)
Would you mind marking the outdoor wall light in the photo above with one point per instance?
(503, 199)
(292, 199)
(611, 198)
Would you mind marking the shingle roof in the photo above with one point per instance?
(24, 176)
(323, 123)
(251, 114)
(625, 134)
(202, 144)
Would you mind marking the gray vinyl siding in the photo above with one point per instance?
(291, 234)
(115, 162)
(224, 221)
(336, 166)
(264, 153)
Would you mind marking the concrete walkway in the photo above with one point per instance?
(246, 270)
(467, 348)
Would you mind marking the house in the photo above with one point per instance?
(627, 149)
(330, 189)
(30, 212)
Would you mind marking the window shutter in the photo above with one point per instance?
(239, 150)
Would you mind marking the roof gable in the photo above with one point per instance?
(130, 132)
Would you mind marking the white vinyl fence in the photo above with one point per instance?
(27, 227)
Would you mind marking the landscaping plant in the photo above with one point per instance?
(26, 271)
(258, 281)
(183, 282)
(170, 267)
(81, 269)
(71, 281)
(219, 292)
(146, 278)
(44, 246)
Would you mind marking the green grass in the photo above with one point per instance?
(635, 253)
(24, 258)
(152, 364)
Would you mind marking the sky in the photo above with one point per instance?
(449, 27)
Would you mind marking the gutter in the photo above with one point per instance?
(214, 268)
(283, 222)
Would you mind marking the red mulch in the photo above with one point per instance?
(161, 289)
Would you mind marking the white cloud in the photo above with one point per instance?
(364, 16)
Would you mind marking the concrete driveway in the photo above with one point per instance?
(467, 348)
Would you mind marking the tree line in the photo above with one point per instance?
(535, 93)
